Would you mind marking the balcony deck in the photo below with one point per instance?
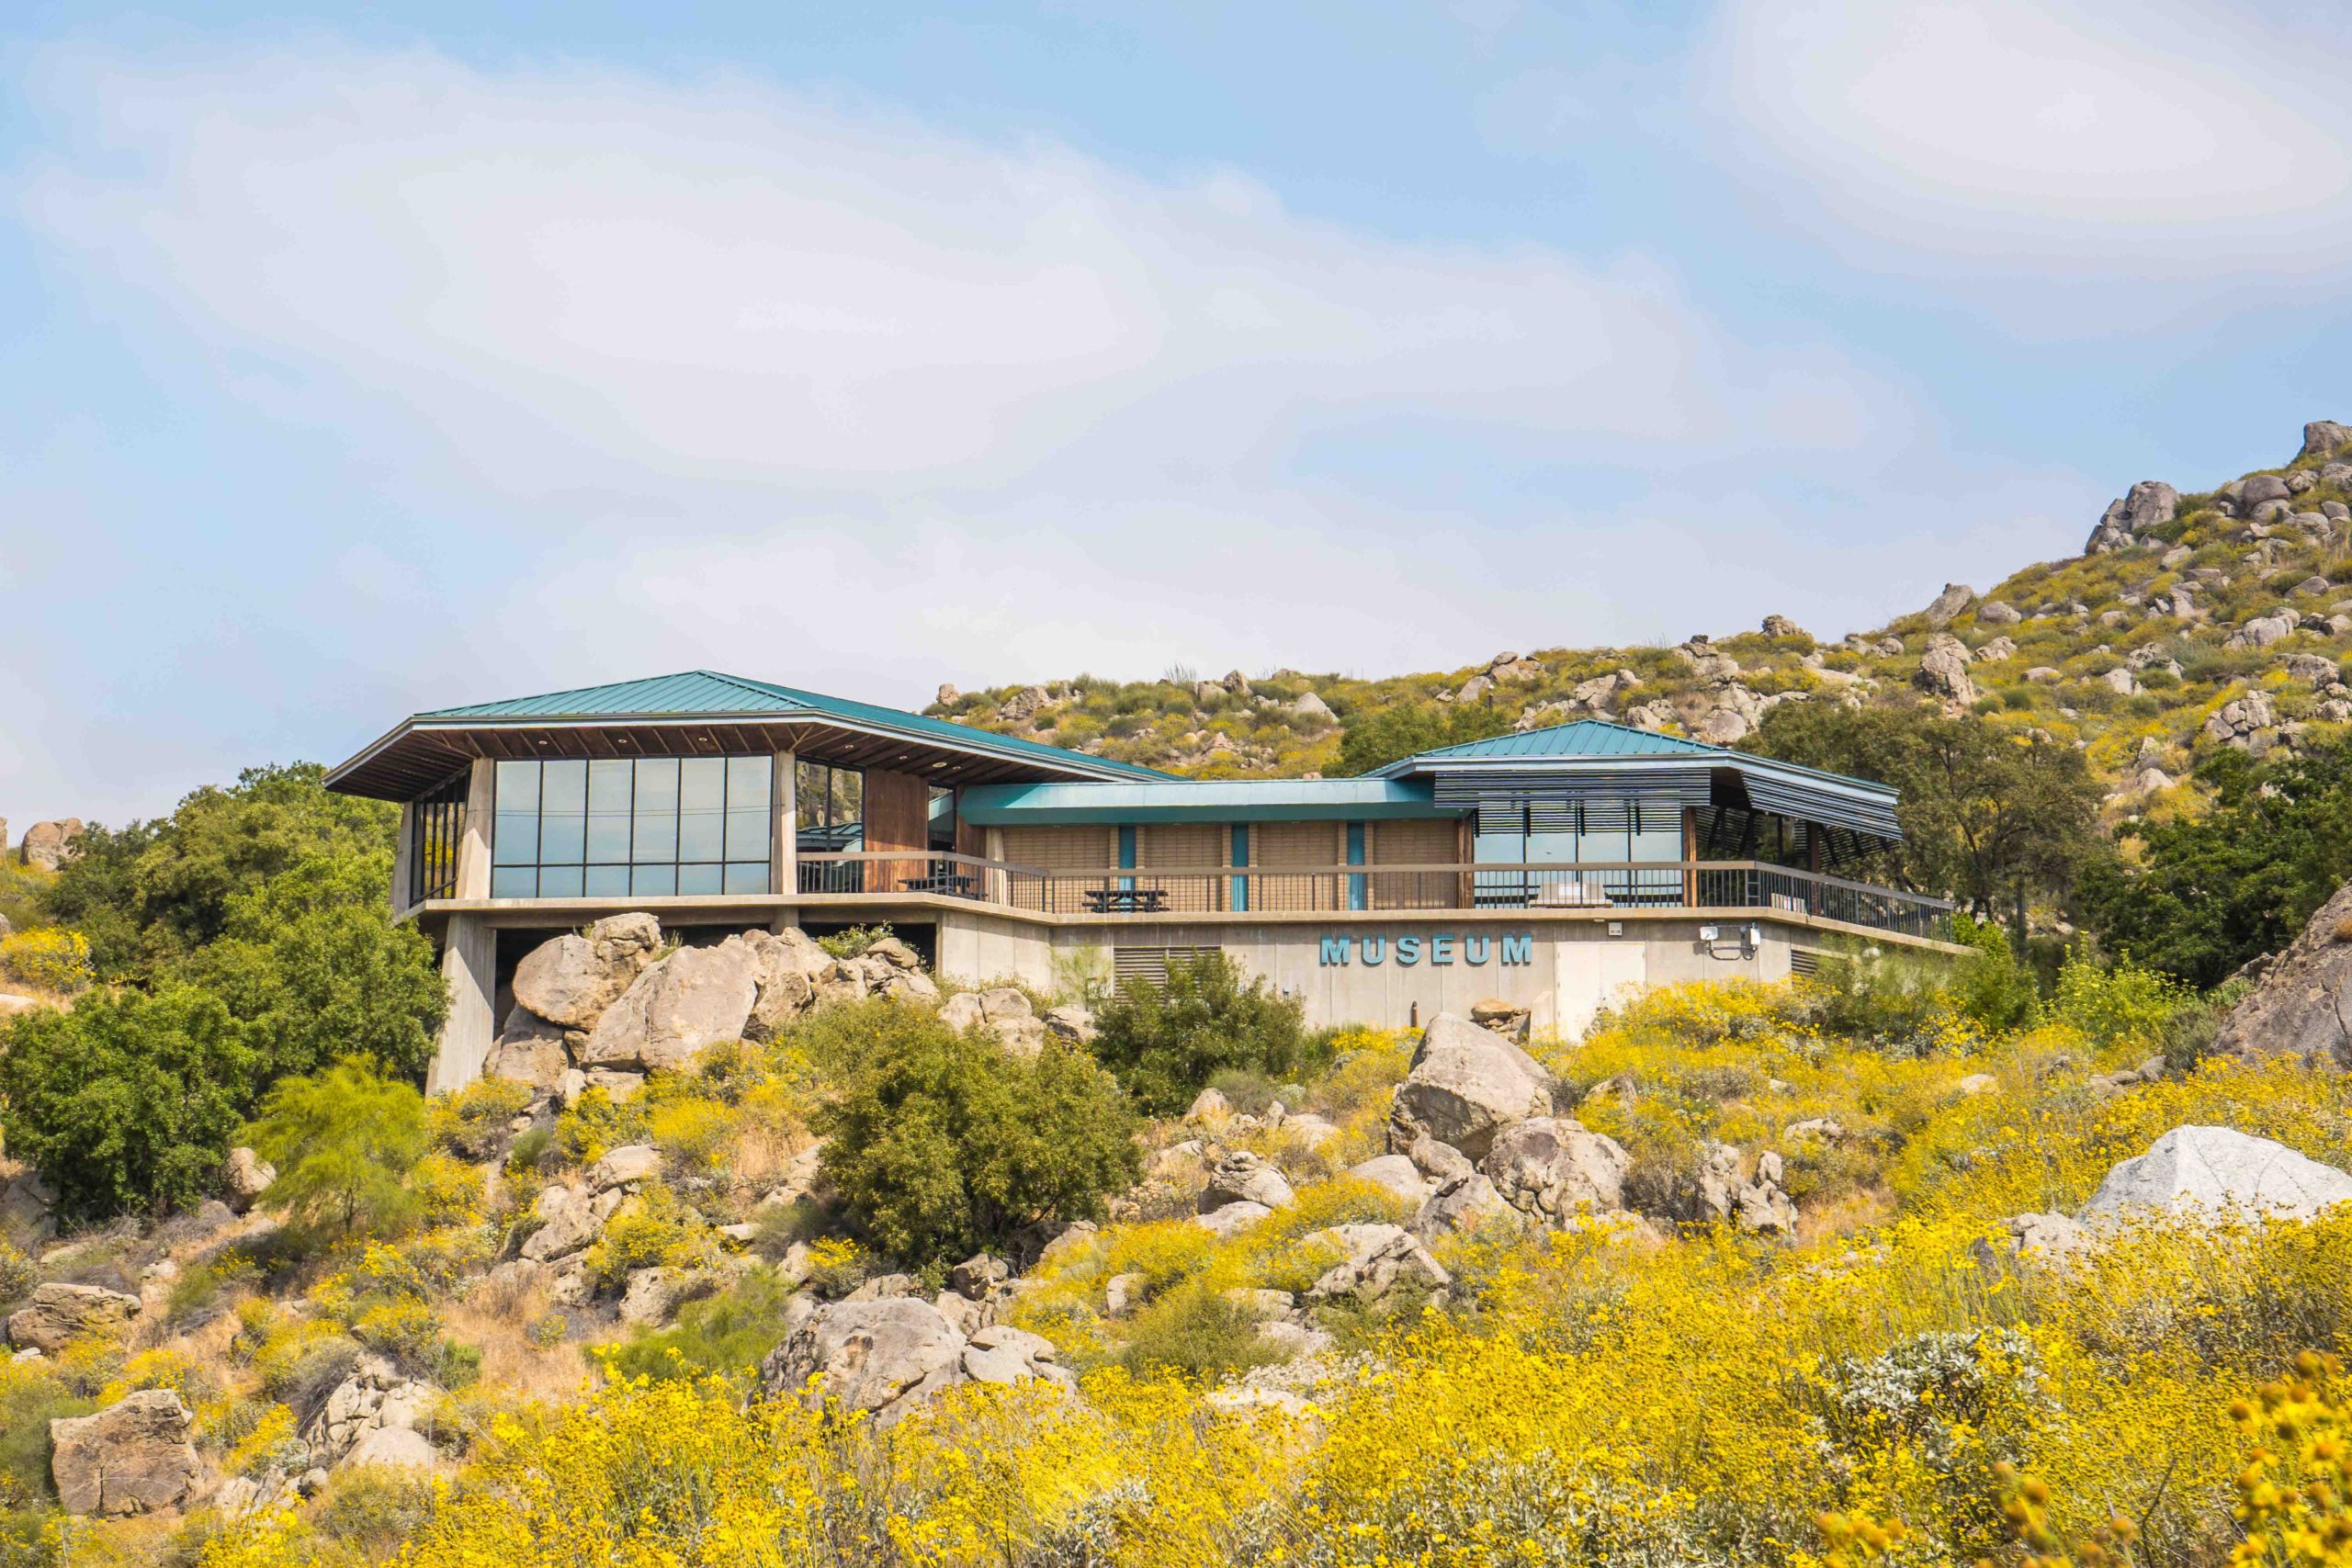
(1646, 889)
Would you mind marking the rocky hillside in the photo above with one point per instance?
(1745, 1275)
(2190, 621)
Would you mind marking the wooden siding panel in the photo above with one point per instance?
(898, 817)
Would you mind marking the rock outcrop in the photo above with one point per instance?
(2217, 1173)
(1467, 1085)
(885, 1357)
(678, 1008)
(2147, 505)
(1552, 1167)
(572, 979)
(133, 1457)
(59, 1313)
(1374, 1262)
(2304, 1005)
(50, 844)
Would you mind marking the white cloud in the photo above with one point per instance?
(2146, 141)
(727, 281)
(712, 375)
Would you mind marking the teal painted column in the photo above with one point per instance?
(1356, 899)
(1240, 900)
(1128, 857)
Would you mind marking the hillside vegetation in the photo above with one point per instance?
(2195, 622)
(2039, 1255)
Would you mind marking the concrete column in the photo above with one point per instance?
(784, 840)
(473, 849)
(404, 859)
(469, 967)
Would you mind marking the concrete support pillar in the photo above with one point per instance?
(470, 967)
(996, 886)
(473, 849)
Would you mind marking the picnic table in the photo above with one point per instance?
(948, 882)
(1126, 900)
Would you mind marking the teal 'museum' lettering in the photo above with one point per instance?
(1516, 949)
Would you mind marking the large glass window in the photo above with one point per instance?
(1590, 833)
(830, 808)
(619, 827)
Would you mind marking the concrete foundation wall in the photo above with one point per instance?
(1572, 969)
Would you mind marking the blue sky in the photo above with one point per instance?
(361, 361)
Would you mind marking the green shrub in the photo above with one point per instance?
(854, 941)
(1166, 1044)
(18, 1274)
(344, 1144)
(2123, 1005)
(657, 1230)
(53, 959)
(1194, 1332)
(376, 1510)
(941, 1143)
(128, 1103)
(472, 1123)
(726, 1335)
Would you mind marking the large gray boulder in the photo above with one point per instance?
(573, 978)
(2304, 1005)
(375, 1396)
(2324, 437)
(1461, 1203)
(1375, 1260)
(1243, 1178)
(1943, 672)
(2148, 505)
(59, 1313)
(1946, 606)
(677, 1008)
(1395, 1172)
(790, 965)
(885, 1357)
(529, 1051)
(133, 1457)
(1465, 1085)
(50, 844)
(2217, 1173)
(1552, 1167)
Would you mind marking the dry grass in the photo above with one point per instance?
(520, 1371)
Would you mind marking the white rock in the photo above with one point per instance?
(2217, 1173)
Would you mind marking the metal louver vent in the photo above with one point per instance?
(1149, 964)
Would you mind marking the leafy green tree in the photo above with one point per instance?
(942, 1142)
(1167, 1042)
(312, 961)
(343, 1142)
(152, 891)
(1377, 738)
(1991, 818)
(127, 1103)
(2203, 897)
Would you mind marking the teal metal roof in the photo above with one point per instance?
(1580, 738)
(694, 694)
(1206, 800)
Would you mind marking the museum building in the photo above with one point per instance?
(1552, 868)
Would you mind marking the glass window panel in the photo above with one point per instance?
(515, 831)
(607, 881)
(655, 836)
(747, 834)
(943, 818)
(702, 808)
(608, 809)
(514, 882)
(849, 796)
(747, 783)
(654, 879)
(1656, 843)
(1603, 844)
(1552, 849)
(698, 879)
(747, 876)
(563, 812)
(560, 882)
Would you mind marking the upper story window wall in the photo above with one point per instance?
(830, 805)
(623, 826)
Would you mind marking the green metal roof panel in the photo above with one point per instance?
(1209, 800)
(706, 693)
(1580, 738)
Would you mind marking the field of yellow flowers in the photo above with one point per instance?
(1897, 1386)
